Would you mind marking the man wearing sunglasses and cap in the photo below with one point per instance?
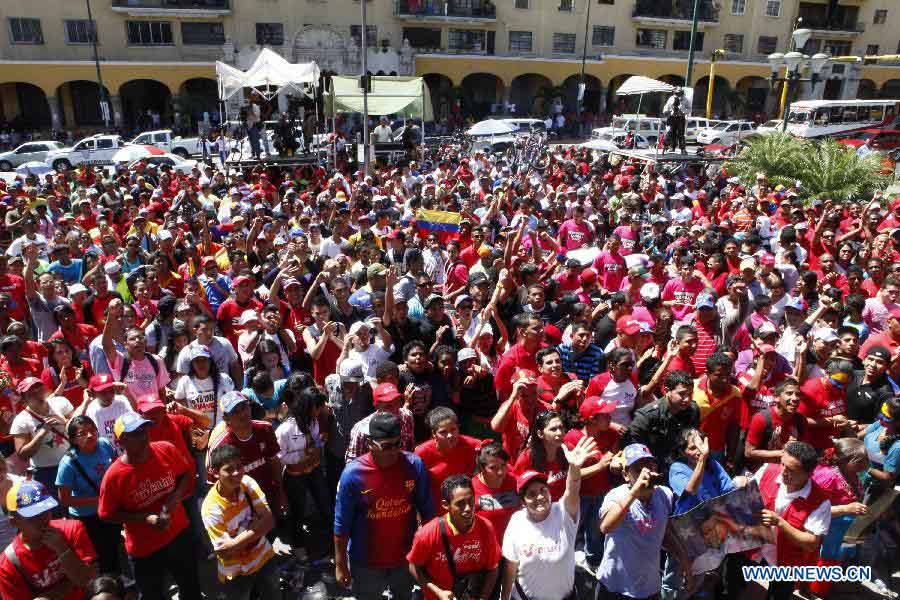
(380, 495)
(47, 558)
(143, 490)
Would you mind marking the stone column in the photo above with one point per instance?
(850, 87)
(56, 120)
(115, 106)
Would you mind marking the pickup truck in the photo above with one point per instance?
(93, 150)
(162, 138)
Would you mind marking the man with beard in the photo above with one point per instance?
(869, 388)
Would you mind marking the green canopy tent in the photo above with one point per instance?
(406, 96)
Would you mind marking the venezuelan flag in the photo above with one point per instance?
(443, 222)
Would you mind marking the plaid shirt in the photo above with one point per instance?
(585, 365)
(359, 435)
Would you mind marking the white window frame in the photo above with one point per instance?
(85, 23)
(526, 7)
(509, 42)
(770, 3)
(574, 42)
(742, 4)
(610, 27)
(33, 42)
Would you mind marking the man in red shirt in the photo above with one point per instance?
(143, 490)
(447, 452)
(686, 338)
(230, 311)
(520, 356)
(17, 366)
(514, 417)
(257, 443)
(775, 426)
(15, 287)
(53, 558)
(470, 539)
(824, 404)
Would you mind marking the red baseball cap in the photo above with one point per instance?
(628, 325)
(145, 406)
(385, 393)
(527, 477)
(588, 276)
(208, 260)
(241, 279)
(526, 376)
(595, 405)
(765, 349)
(28, 384)
(100, 383)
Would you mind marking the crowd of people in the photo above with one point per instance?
(238, 365)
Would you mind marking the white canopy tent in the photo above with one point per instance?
(269, 70)
(638, 84)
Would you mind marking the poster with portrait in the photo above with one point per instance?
(724, 525)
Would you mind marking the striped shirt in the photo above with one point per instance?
(585, 365)
(225, 520)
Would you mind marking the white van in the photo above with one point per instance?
(693, 125)
(649, 127)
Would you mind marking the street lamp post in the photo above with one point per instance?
(104, 101)
(793, 63)
(579, 97)
(712, 80)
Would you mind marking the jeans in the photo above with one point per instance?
(178, 558)
(262, 584)
(590, 525)
(253, 135)
(105, 537)
(296, 486)
(601, 593)
(671, 579)
(370, 584)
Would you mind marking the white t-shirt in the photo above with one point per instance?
(220, 349)
(143, 382)
(293, 442)
(104, 417)
(545, 552)
(198, 394)
(817, 523)
(372, 355)
(54, 446)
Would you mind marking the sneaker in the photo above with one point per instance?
(880, 587)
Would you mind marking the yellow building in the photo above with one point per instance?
(157, 56)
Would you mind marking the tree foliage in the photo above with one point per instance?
(823, 168)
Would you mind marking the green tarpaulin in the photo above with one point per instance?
(406, 96)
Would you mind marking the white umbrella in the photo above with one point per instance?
(131, 153)
(585, 256)
(602, 145)
(491, 127)
(34, 167)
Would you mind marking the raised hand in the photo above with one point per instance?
(583, 450)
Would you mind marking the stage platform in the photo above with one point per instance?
(299, 160)
(653, 155)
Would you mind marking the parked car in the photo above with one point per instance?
(28, 152)
(93, 150)
(617, 140)
(649, 127)
(163, 138)
(769, 127)
(693, 125)
(879, 139)
(727, 132)
(183, 165)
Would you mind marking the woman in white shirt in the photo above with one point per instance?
(301, 454)
(539, 543)
(203, 386)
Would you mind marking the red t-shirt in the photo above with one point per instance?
(80, 338)
(553, 469)
(457, 461)
(684, 295)
(607, 441)
(172, 429)
(517, 426)
(257, 452)
(473, 551)
(497, 505)
(516, 357)
(20, 370)
(73, 392)
(781, 431)
(574, 235)
(763, 398)
(229, 313)
(610, 269)
(144, 487)
(42, 566)
(821, 399)
(15, 287)
(680, 363)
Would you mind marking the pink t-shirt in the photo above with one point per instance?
(836, 487)
(876, 314)
(574, 235)
(629, 239)
(684, 295)
(142, 380)
(611, 270)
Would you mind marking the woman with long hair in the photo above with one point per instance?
(544, 451)
(178, 338)
(301, 454)
(65, 374)
(203, 385)
(78, 482)
(495, 487)
(266, 358)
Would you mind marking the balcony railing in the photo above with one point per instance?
(441, 9)
(675, 10)
(200, 5)
(825, 25)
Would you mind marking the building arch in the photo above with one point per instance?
(721, 93)
(618, 105)
(867, 89)
(138, 96)
(80, 102)
(443, 94)
(479, 92)
(529, 92)
(24, 106)
(754, 91)
(197, 96)
(593, 92)
(891, 89)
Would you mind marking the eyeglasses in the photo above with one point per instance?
(383, 446)
(424, 285)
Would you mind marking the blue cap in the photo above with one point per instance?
(29, 498)
(704, 301)
(232, 400)
(795, 302)
(129, 423)
(200, 352)
(636, 452)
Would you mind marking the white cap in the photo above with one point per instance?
(649, 292)
(112, 267)
(357, 326)
(76, 288)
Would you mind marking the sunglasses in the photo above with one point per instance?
(387, 445)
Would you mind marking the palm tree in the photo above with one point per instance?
(825, 168)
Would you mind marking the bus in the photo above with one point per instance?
(834, 118)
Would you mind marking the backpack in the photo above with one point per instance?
(126, 365)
